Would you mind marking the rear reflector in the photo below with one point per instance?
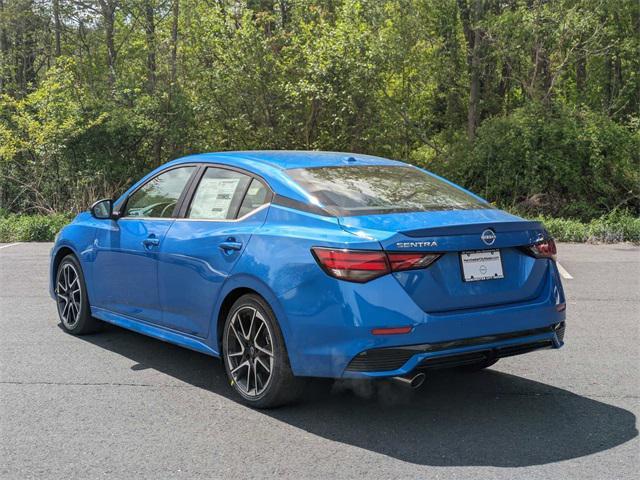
(364, 265)
(391, 331)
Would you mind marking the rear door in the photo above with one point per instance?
(201, 248)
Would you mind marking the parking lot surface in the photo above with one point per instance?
(120, 405)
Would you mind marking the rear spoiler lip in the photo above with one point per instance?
(476, 228)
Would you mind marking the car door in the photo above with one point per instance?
(200, 249)
(126, 261)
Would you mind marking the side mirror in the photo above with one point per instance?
(102, 209)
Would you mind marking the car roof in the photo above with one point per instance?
(287, 159)
(271, 165)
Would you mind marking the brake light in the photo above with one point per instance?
(409, 261)
(362, 265)
(544, 249)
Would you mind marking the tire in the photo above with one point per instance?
(71, 298)
(476, 367)
(255, 357)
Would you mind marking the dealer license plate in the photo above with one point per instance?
(481, 265)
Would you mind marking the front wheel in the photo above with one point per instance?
(71, 298)
(255, 357)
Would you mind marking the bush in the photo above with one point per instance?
(615, 227)
(552, 161)
(31, 228)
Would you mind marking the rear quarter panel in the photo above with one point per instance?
(278, 264)
(322, 319)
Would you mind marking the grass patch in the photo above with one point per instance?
(32, 228)
(612, 228)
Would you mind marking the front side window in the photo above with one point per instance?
(377, 189)
(158, 197)
(218, 195)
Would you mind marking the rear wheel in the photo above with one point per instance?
(255, 357)
(71, 298)
(476, 367)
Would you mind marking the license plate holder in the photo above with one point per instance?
(479, 265)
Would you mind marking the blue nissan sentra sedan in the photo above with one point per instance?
(292, 264)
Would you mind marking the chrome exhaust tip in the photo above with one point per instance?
(413, 381)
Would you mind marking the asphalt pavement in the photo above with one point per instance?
(121, 405)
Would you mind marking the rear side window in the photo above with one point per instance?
(257, 195)
(376, 189)
(218, 195)
(158, 197)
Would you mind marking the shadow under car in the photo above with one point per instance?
(456, 419)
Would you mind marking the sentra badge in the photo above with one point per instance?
(417, 244)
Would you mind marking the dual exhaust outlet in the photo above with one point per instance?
(412, 380)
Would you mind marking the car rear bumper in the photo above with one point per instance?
(394, 361)
(331, 342)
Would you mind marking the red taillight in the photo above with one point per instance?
(409, 261)
(352, 265)
(362, 265)
(544, 249)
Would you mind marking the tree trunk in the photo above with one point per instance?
(56, 26)
(473, 115)
(108, 10)
(545, 70)
(150, 36)
(25, 48)
(174, 44)
(4, 50)
(284, 13)
(607, 87)
(581, 74)
(618, 81)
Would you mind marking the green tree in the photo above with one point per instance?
(534, 104)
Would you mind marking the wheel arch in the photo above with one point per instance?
(62, 252)
(233, 289)
(59, 254)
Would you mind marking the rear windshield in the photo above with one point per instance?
(375, 189)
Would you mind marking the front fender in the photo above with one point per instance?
(77, 237)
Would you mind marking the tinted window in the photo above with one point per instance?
(158, 197)
(257, 195)
(218, 194)
(364, 190)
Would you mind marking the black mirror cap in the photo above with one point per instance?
(103, 209)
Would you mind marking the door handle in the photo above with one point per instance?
(151, 241)
(230, 244)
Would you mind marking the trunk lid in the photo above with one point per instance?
(441, 286)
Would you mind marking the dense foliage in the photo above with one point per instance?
(31, 228)
(531, 103)
(611, 228)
